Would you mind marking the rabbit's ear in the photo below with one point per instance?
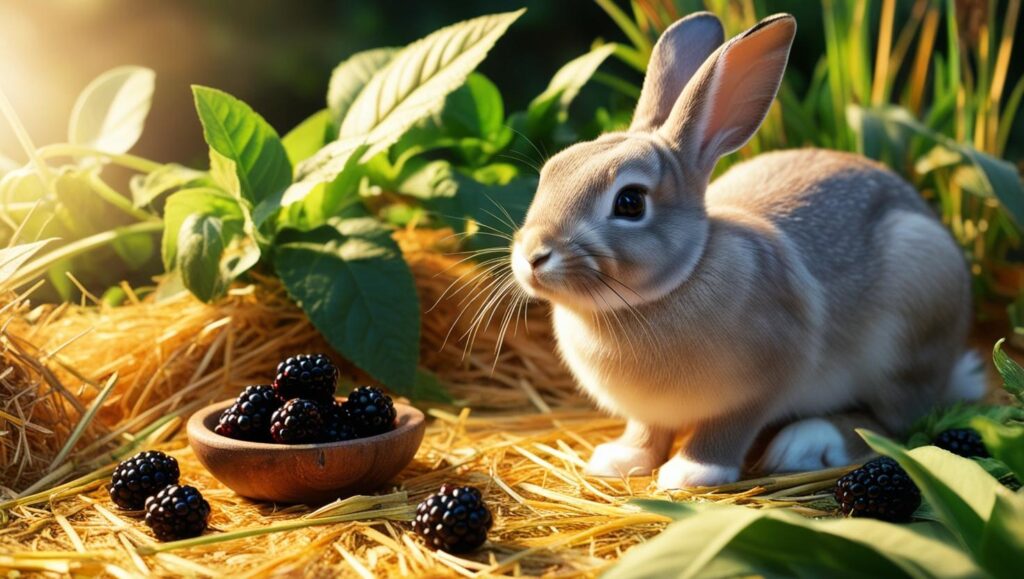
(724, 104)
(680, 51)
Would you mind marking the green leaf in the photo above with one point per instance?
(727, 541)
(1012, 372)
(111, 111)
(488, 214)
(351, 280)
(1002, 545)
(551, 107)
(429, 388)
(234, 131)
(412, 86)
(212, 253)
(12, 258)
(350, 77)
(149, 187)
(134, 249)
(308, 137)
(1005, 443)
(997, 177)
(201, 242)
(959, 491)
(201, 200)
(475, 109)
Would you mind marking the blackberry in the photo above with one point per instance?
(296, 422)
(310, 376)
(140, 476)
(963, 441)
(249, 417)
(880, 489)
(370, 410)
(337, 426)
(454, 519)
(177, 512)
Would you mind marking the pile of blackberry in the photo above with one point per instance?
(880, 489)
(299, 407)
(150, 480)
(454, 519)
(965, 442)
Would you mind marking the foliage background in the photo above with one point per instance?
(277, 56)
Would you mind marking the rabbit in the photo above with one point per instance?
(805, 289)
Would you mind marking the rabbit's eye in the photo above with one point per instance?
(629, 203)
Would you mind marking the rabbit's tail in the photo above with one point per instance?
(967, 382)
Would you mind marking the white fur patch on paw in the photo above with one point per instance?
(681, 473)
(613, 459)
(811, 444)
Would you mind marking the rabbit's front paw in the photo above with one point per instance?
(614, 459)
(680, 473)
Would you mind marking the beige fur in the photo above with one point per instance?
(807, 285)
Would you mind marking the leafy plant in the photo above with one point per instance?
(409, 136)
(71, 200)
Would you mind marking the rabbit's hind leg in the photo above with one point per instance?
(818, 443)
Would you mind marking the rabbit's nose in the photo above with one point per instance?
(539, 257)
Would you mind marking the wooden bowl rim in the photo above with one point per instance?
(409, 418)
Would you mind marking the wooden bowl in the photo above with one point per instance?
(305, 473)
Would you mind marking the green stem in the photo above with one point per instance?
(110, 195)
(133, 162)
(626, 24)
(84, 422)
(38, 266)
(616, 83)
(25, 139)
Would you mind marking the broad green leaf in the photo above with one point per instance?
(110, 112)
(1002, 545)
(351, 280)
(551, 107)
(489, 214)
(308, 137)
(134, 249)
(959, 491)
(350, 77)
(1005, 443)
(429, 388)
(998, 178)
(201, 200)
(1011, 371)
(12, 258)
(427, 179)
(416, 81)
(149, 187)
(212, 253)
(475, 109)
(236, 132)
(201, 242)
(718, 540)
(412, 86)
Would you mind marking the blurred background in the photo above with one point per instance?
(278, 56)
